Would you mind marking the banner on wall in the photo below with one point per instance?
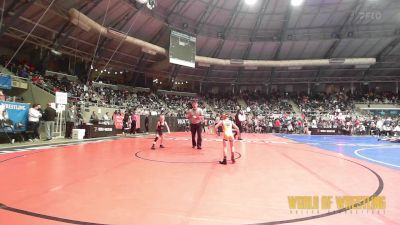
(17, 113)
(181, 121)
(118, 121)
(137, 121)
(62, 98)
(5, 81)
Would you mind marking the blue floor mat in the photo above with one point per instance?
(361, 147)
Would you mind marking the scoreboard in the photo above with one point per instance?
(182, 49)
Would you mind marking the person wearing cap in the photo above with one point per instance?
(196, 117)
(227, 127)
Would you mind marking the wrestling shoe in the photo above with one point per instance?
(153, 147)
(223, 162)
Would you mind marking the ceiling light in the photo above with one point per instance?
(55, 52)
(296, 2)
(250, 2)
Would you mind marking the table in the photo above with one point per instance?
(324, 131)
(98, 130)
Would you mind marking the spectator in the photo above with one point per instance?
(239, 119)
(2, 112)
(2, 96)
(146, 123)
(94, 118)
(70, 119)
(33, 121)
(49, 118)
(126, 122)
(277, 125)
(106, 119)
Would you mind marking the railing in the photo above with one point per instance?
(188, 94)
(376, 103)
(58, 75)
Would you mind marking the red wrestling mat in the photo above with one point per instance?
(124, 182)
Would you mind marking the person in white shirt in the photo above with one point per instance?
(396, 130)
(106, 119)
(361, 129)
(313, 123)
(379, 126)
(34, 117)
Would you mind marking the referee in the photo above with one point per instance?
(196, 117)
(239, 119)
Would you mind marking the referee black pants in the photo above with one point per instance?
(196, 128)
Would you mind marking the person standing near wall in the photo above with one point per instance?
(146, 123)
(94, 118)
(196, 117)
(106, 119)
(70, 119)
(49, 118)
(2, 96)
(239, 119)
(126, 122)
(34, 117)
(133, 123)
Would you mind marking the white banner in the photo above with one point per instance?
(61, 98)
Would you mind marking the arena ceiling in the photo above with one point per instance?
(228, 29)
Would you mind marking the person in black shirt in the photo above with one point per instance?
(94, 118)
(70, 119)
(133, 123)
(125, 122)
(239, 118)
(159, 132)
(146, 123)
(49, 118)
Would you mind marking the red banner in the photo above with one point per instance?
(118, 121)
(137, 121)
